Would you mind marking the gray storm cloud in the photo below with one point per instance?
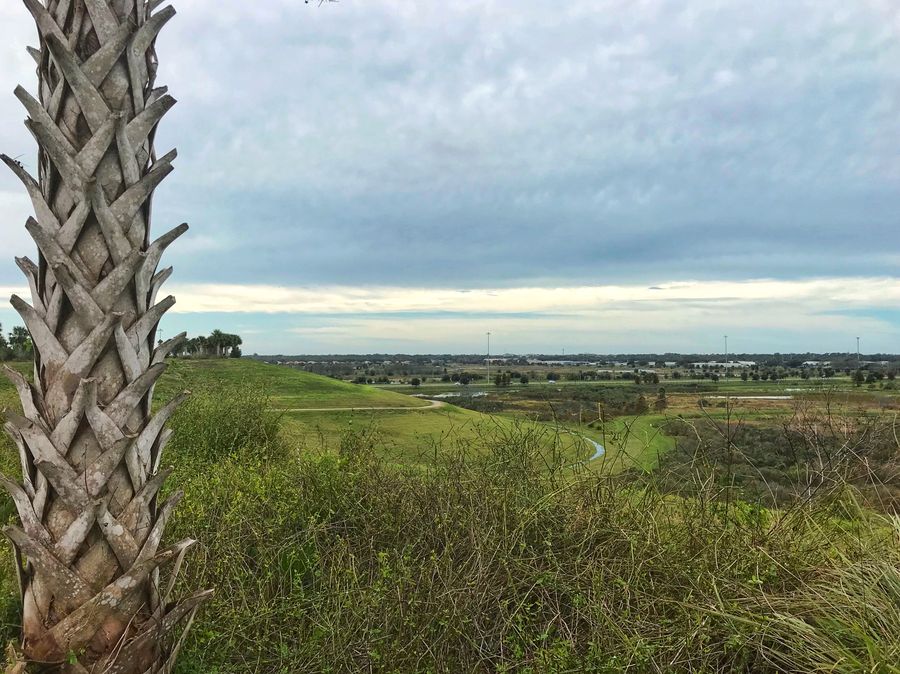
(520, 142)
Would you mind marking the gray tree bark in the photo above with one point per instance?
(88, 548)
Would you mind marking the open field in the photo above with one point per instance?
(406, 429)
(406, 436)
(415, 435)
(735, 386)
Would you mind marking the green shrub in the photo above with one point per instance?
(511, 562)
(217, 421)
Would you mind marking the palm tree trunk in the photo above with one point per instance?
(88, 548)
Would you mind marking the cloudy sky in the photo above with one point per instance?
(590, 175)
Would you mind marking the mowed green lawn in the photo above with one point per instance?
(287, 388)
(419, 436)
(407, 435)
(635, 441)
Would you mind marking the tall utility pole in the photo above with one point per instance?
(726, 356)
(489, 358)
(857, 354)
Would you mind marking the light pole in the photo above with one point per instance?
(857, 353)
(489, 359)
(726, 356)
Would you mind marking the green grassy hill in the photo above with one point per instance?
(417, 436)
(319, 412)
(287, 388)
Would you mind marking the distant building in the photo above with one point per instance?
(561, 363)
(731, 364)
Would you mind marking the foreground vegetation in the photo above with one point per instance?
(509, 558)
(511, 561)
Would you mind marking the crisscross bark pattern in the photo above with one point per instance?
(88, 547)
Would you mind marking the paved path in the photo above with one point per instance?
(432, 404)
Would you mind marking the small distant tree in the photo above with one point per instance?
(20, 342)
(523, 379)
(415, 382)
(216, 341)
(4, 347)
(233, 343)
(744, 376)
(662, 402)
(641, 406)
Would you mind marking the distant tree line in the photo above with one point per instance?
(16, 345)
(217, 344)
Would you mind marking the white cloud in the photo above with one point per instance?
(820, 295)
(686, 316)
(507, 142)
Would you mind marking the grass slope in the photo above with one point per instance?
(411, 436)
(287, 388)
(417, 436)
(406, 435)
(8, 397)
(637, 441)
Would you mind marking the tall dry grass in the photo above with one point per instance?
(513, 561)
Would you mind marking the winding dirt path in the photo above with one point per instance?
(433, 404)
